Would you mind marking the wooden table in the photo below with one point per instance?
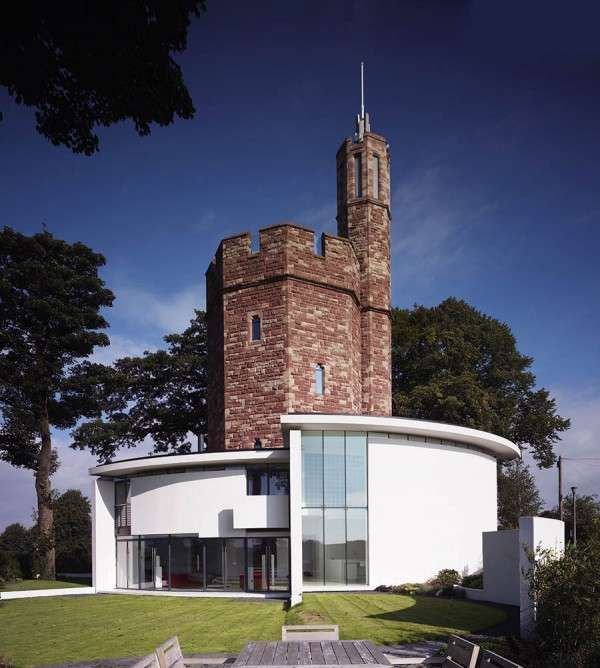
(311, 653)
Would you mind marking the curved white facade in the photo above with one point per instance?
(429, 491)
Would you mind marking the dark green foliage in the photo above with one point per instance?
(474, 581)
(587, 512)
(85, 64)
(10, 568)
(160, 395)
(50, 302)
(19, 542)
(454, 364)
(518, 495)
(567, 591)
(447, 577)
(73, 532)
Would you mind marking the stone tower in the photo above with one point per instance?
(291, 330)
(363, 216)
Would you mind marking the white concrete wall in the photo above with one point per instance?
(262, 512)
(103, 535)
(535, 534)
(205, 503)
(501, 574)
(428, 505)
(295, 437)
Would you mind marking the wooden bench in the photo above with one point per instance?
(167, 655)
(491, 660)
(310, 632)
(461, 653)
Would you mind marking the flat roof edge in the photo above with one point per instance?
(496, 445)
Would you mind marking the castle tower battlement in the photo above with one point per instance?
(294, 331)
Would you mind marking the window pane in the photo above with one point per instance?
(279, 482)
(133, 565)
(257, 481)
(312, 468)
(356, 551)
(333, 468)
(213, 552)
(235, 559)
(356, 469)
(122, 564)
(319, 379)
(121, 492)
(335, 546)
(155, 563)
(358, 175)
(187, 563)
(312, 545)
(255, 328)
(279, 578)
(375, 175)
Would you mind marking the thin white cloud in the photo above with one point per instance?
(581, 442)
(431, 224)
(120, 346)
(165, 314)
(320, 219)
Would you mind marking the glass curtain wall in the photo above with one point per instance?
(206, 564)
(334, 507)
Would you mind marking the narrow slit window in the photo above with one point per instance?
(256, 328)
(358, 175)
(375, 175)
(319, 379)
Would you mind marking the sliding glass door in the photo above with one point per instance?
(268, 564)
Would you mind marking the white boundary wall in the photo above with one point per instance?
(40, 593)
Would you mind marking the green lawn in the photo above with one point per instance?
(66, 629)
(24, 585)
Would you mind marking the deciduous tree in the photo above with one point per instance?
(454, 364)
(160, 395)
(518, 495)
(50, 302)
(85, 64)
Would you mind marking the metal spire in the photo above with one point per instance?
(362, 120)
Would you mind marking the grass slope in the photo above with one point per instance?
(27, 585)
(68, 629)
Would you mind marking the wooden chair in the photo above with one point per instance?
(460, 653)
(150, 661)
(169, 654)
(490, 660)
(310, 632)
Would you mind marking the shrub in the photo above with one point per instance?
(474, 581)
(10, 568)
(407, 589)
(446, 578)
(567, 595)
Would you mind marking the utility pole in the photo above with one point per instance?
(574, 490)
(560, 488)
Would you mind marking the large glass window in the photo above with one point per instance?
(334, 514)
(209, 564)
(333, 469)
(312, 468)
(312, 545)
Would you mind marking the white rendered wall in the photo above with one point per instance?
(204, 503)
(428, 505)
(535, 534)
(296, 516)
(501, 569)
(103, 535)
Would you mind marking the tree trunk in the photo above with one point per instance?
(44, 503)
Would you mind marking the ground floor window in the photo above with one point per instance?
(260, 564)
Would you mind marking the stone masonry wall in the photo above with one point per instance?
(309, 309)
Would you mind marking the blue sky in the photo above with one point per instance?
(492, 112)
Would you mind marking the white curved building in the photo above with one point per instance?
(308, 483)
(353, 502)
